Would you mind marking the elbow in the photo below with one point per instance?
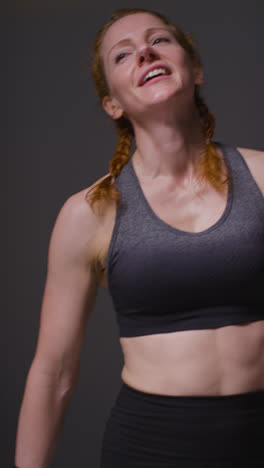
(62, 380)
(67, 383)
(66, 387)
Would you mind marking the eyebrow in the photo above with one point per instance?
(147, 33)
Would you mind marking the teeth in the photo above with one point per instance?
(155, 72)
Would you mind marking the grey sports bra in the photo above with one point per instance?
(162, 279)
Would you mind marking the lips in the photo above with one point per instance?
(157, 65)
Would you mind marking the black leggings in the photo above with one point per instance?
(145, 430)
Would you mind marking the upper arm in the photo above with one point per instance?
(70, 289)
(255, 161)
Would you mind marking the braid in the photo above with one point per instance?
(210, 166)
(122, 153)
(106, 189)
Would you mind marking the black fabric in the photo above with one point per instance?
(158, 431)
(162, 279)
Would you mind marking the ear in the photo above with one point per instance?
(112, 107)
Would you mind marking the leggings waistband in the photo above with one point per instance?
(226, 401)
(160, 431)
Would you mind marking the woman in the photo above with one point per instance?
(178, 237)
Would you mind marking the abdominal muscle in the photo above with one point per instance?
(223, 361)
(220, 361)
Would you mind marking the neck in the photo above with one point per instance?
(170, 146)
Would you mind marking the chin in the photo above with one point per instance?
(163, 96)
(162, 91)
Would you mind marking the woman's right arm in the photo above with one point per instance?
(69, 296)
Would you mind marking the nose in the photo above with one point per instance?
(146, 53)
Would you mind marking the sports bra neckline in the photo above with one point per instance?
(178, 231)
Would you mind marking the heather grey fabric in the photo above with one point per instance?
(163, 279)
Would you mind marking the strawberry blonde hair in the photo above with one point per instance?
(210, 164)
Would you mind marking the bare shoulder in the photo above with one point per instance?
(78, 226)
(250, 153)
(70, 289)
(255, 161)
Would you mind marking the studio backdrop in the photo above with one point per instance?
(61, 141)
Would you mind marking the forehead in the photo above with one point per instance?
(129, 27)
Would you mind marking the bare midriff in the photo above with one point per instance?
(221, 361)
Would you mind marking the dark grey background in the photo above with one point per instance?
(60, 142)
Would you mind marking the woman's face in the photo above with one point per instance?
(133, 45)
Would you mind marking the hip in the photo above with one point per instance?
(158, 431)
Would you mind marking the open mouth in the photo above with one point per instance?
(154, 72)
(154, 79)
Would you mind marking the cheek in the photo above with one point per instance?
(114, 76)
(120, 78)
(184, 63)
(182, 58)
